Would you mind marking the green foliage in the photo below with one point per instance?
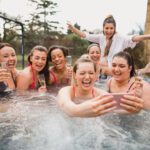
(138, 55)
(77, 45)
(40, 18)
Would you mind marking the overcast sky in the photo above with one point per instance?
(89, 14)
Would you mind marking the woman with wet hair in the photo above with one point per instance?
(8, 71)
(59, 73)
(124, 80)
(82, 99)
(110, 41)
(29, 78)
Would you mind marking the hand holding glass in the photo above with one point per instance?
(69, 60)
(42, 79)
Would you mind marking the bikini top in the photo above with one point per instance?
(32, 86)
(52, 74)
(55, 80)
(74, 91)
(2, 87)
(109, 86)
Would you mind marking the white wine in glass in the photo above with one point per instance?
(41, 78)
(69, 60)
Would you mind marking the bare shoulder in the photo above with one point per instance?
(25, 74)
(66, 89)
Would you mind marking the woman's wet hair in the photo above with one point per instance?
(91, 45)
(38, 48)
(129, 60)
(5, 44)
(45, 70)
(65, 50)
(83, 60)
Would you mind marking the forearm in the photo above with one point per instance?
(69, 108)
(77, 31)
(139, 38)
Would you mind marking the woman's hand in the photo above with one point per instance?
(4, 75)
(70, 26)
(131, 103)
(42, 89)
(69, 74)
(96, 107)
(75, 30)
(137, 88)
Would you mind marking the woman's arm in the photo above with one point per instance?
(90, 108)
(75, 30)
(146, 95)
(138, 38)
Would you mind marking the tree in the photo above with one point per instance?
(40, 18)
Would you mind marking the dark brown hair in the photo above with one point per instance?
(65, 51)
(5, 44)
(129, 60)
(45, 70)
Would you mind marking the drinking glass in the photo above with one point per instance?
(4, 66)
(41, 78)
(69, 60)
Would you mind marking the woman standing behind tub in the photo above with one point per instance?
(29, 79)
(110, 41)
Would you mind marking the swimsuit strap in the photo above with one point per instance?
(109, 86)
(33, 84)
(54, 76)
(130, 86)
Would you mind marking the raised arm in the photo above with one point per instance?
(75, 30)
(139, 38)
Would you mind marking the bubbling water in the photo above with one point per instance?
(31, 121)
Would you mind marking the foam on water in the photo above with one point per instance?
(30, 121)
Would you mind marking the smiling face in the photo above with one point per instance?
(8, 55)
(85, 75)
(94, 53)
(109, 30)
(120, 69)
(58, 59)
(38, 60)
